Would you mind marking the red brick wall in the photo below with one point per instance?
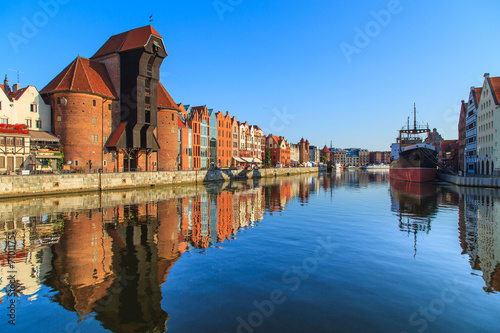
(167, 139)
(76, 122)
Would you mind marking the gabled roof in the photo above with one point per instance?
(128, 40)
(2, 87)
(16, 95)
(83, 75)
(477, 95)
(165, 101)
(180, 123)
(495, 88)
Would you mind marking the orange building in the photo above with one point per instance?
(279, 150)
(224, 216)
(224, 140)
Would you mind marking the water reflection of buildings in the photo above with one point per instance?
(354, 178)
(111, 261)
(479, 226)
(29, 237)
(415, 205)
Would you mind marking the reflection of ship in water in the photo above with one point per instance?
(415, 204)
(479, 226)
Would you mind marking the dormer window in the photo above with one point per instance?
(156, 47)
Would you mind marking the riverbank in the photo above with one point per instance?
(470, 180)
(30, 185)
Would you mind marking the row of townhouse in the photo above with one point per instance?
(355, 157)
(110, 112)
(478, 127)
(25, 125)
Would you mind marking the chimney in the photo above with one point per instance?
(15, 88)
(6, 84)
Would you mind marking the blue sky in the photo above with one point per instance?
(326, 70)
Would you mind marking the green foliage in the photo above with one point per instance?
(267, 159)
(60, 161)
(323, 159)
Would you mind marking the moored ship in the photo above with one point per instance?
(413, 160)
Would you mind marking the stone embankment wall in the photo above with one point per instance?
(16, 186)
(470, 181)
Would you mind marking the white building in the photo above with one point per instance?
(313, 153)
(488, 120)
(24, 106)
(20, 147)
(471, 130)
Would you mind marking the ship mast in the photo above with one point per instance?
(414, 116)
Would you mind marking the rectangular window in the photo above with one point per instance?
(4, 121)
(38, 124)
(105, 138)
(33, 108)
(76, 163)
(2, 140)
(93, 102)
(2, 162)
(104, 163)
(59, 118)
(94, 121)
(109, 123)
(9, 141)
(19, 142)
(95, 138)
(0, 105)
(28, 122)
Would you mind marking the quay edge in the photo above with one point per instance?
(493, 182)
(34, 185)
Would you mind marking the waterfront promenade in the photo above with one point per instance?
(29, 185)
(474, 181)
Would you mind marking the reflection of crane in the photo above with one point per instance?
(18, 72)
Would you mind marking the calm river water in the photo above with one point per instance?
(351, 252)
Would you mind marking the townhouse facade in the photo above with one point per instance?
(224, 139)
(279, 150)
(488, 119)
(314, 153)
(434, 139)
(21, 110)
(471, 130)
(462, 136)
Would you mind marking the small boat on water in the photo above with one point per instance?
(376, 167)
(412, 159)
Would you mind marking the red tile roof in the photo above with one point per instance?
(180, 123)
(2, 87)
(495, 85)
(165, 101)
(325, 149)
(16, 95)
(116, 135)
(128, 40)
(478, 91)
(83, 75)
